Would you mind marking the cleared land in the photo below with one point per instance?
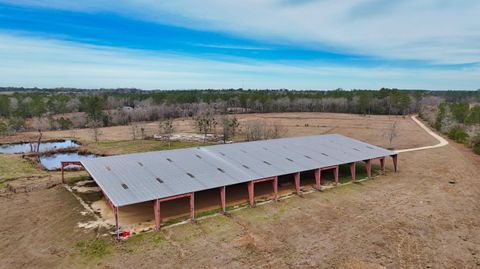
(426, 215)
(374, 129)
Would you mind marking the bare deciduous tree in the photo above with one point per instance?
(255, 130)
(166, 130)
(205, 122)
(40, 124)
(229, 124)
(134, 127)
(277, 131)
(392, 133)
(95, 126)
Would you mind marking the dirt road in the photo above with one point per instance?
(441, 141)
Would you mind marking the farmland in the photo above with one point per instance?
(425, 215)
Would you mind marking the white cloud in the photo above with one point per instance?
(440, 31)
(30, 62)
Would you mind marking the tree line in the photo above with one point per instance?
(459, 120)
(61, 108)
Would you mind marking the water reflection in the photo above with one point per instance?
(44, 146)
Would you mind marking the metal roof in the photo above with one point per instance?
(134, 178)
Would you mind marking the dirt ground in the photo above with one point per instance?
(424, 216)
(373, 128)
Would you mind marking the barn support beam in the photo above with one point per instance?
(395, 159)
(382, 165)
(275, 188)
(368, 166)
(222, 199)
(64, 164)
(156, 211)
(157, 205)
(63, 176)
(251, 189)
(352, 171)
(337, 171)
(297, 182)
(192, 206)
(117, 222)
(318, 177)
(251, 193)
(335, 168)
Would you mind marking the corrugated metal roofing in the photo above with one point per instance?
(134, 178)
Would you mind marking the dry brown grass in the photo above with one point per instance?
(373, 129)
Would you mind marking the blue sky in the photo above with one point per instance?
(303, 44)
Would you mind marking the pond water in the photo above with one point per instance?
(45, 146)
(53, 162)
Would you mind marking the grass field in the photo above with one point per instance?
(373, 129)
(135, 146)
(13, 166)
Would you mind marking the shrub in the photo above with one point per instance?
(476, 148)
(459, 135)
(440, 117)
(64, 124)
(476, 144)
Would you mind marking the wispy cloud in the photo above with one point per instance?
(28, 61)
(437, 31)
(230, 46)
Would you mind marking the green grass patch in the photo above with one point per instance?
(281, 211)
(135, 146)
(93, 249)
(157, 239)
(13, 166)
(75, 178)
(344, 175)
(207, 213)
(134, 243)
(173, 221)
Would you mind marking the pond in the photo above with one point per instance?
(53, 162)
(44, 146)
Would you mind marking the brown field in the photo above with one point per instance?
(424, 216)
(367, 128)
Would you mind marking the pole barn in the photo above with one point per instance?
(162, 176)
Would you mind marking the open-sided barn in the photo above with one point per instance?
(172, 174)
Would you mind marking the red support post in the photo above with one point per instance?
(63, 177)
(67, 163)
(275, 188)
(382, 165)
(395, 159)
(337, 170)
(117, 222)
(156, 211)
(318, 177)
(297, 182)
(157, 203)
(368, 165)
(192, 206)
(251, 193)
(352, 171)
(222, 199)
